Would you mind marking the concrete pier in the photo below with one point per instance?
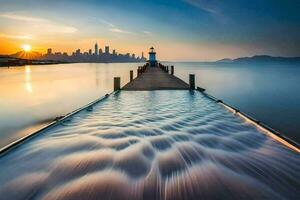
(154, 78)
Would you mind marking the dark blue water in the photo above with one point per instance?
(268, 92)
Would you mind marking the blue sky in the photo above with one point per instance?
(179, 29)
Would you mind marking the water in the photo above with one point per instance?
(32, 96)
(268, 92)
(152, 145)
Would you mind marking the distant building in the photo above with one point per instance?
(49, 51)
(96, 49)
(106, 49)
(94, 54)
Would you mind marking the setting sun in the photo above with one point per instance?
(26, 47)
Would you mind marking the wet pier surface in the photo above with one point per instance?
(151, 145)
(155, 78)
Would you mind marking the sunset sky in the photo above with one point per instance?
(178, 29)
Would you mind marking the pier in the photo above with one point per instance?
(156, 78)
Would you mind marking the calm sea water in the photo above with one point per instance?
(32, 96)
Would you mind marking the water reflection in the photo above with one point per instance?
(33, 95)
(28, 84)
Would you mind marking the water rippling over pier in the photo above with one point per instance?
(151, 145)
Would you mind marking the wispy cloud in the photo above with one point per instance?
(117, 30)
(205, 5)
(147, 33)
(21, 17)
(18, 37)
(212, 7)
(103, 21)
(41, 23)
(112, 27)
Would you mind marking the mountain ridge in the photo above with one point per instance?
(260, 58)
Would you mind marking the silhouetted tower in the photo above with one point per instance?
(106, 49)
(90, 52)
(49, 51)
(143, 55)
(100, 51)
(96, 49)
(152, 57)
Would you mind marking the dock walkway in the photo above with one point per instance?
(155, 78)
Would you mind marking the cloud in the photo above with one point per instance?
(205, 5)
(212, 7)
(117, 30)
(21, 17)
(112, 27)
(18, 37)
(148, 33)
(103, 21)
(42, 24)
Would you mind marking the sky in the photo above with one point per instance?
(186, 30)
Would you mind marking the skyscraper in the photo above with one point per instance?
(96, 49)
(49, 51)
(90, 52)
(100, 51)
(106, 49)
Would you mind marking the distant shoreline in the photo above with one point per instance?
(8, 65)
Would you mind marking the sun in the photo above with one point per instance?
(26, 47)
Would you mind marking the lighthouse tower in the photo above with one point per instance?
(152, 57)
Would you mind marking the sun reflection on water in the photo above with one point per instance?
(28, 84)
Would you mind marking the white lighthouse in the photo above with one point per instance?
(152, 57)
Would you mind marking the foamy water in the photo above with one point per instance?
(151, 145)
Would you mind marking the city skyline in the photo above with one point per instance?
(96, 51)
(95, 55)
(179, 29)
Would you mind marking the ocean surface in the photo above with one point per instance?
(156, 145)
(32, 96)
